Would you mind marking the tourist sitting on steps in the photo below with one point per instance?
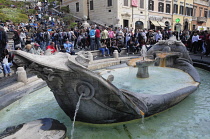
(104, 49)
(68, 47)
(28, 48)
(6, 63)
(52, 49)
(37, 49)
(118, 45)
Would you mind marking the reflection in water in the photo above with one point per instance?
(189, 119)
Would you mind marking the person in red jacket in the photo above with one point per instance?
(97, 39)
(51, 48)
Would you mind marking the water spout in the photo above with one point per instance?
(75, 114)
(143, 52)
(142, 114)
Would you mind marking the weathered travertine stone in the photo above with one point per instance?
(39, 129)
(116, 54)
(21, 75)
(90, 57)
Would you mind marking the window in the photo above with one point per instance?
(125, 2)
(206, 13)
(141, 4)
(168, 8)
(194, 11)
(181, 10)
(209, 13)
(91, 5)
(175, 9)
(109, 2)
(151, 5)
(189, 11)
(200, 14)
(160, 7)
(77, 7)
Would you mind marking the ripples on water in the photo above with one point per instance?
(190, 119)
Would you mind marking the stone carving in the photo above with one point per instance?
(39, 129)
(101, 101)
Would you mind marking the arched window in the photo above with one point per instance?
(139, 25)
(186, 25)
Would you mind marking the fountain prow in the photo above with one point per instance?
(101, 102)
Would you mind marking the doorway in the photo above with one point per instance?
(139, 25)
(125, 23)
(186, 24)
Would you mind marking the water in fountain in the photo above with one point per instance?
(75, 115)
(170, 79)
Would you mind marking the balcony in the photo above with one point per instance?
(201, 19)
(194, 18)
(201, 2)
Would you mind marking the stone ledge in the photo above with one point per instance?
(17, 85)
(98, 52)
(15, 95)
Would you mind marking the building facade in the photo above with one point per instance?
(116, 13)
(208, 19)
(154, 14)
(182, 14)
(200, 14)
(160, 14)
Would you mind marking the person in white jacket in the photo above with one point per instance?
(158, 36)
(195, 39)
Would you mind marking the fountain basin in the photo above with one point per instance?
(191, 115)
(161, 80)
(102, 102)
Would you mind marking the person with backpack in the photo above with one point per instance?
(46, 39)
(55, 37)
(71, 37)
(92, 38)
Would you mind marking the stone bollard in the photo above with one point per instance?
(21, 75)
(116, 54)
(90, 57)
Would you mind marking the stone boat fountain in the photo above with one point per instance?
(101, 102)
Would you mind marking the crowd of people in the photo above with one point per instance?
(40, 41)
